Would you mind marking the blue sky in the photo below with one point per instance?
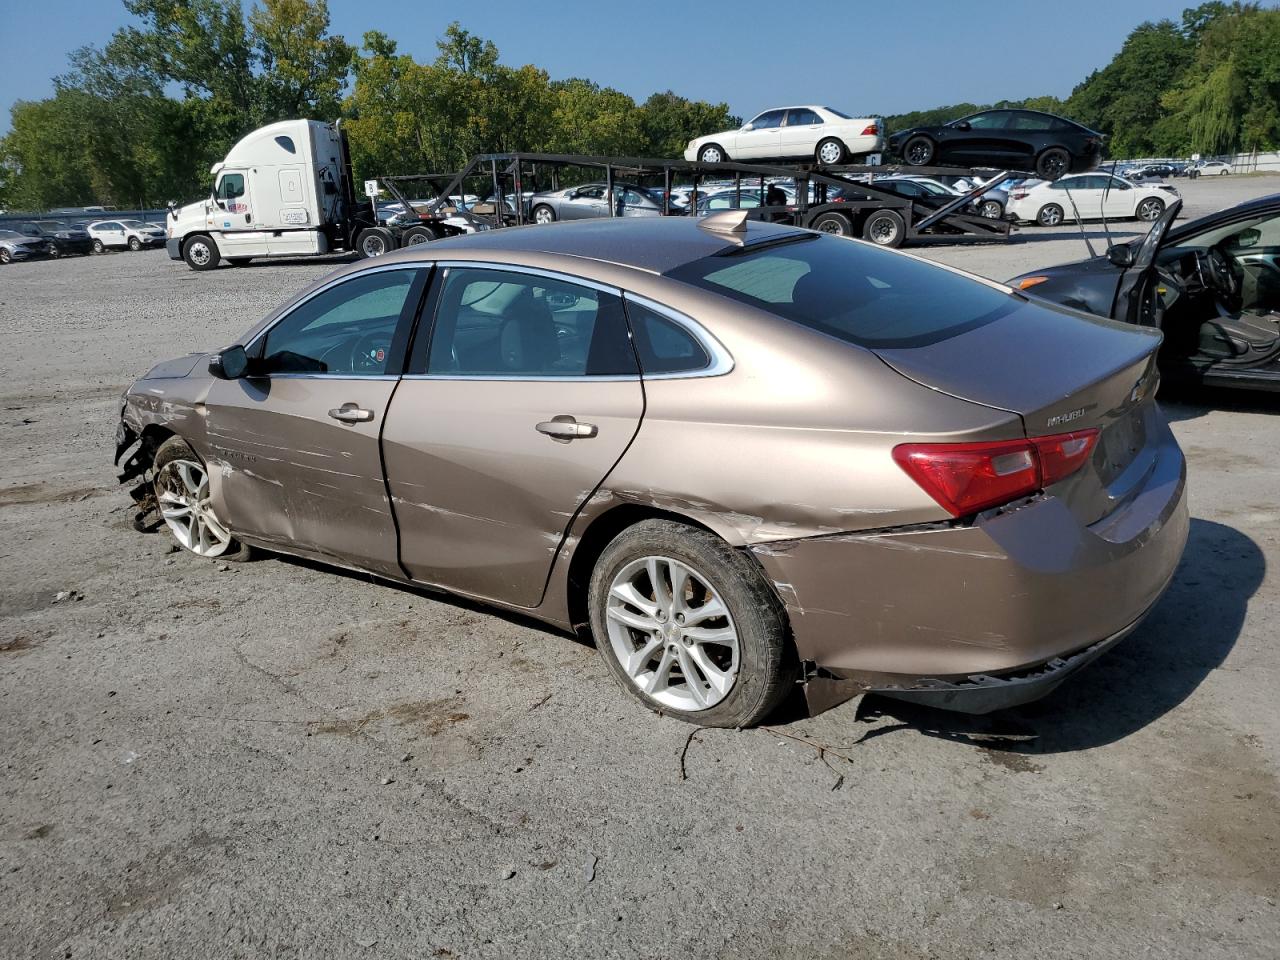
(856, 56)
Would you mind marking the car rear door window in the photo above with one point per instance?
(494, 323)
(802, 118)
(346, 330)
(1030, 121)
(664, 345)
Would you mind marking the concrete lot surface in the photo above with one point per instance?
(279, 760)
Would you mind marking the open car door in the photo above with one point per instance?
(1137, 299)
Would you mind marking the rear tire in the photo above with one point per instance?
(1050, 215)
(831, 152)
(201, 253)
(739, 678)
(1053, 163)
(884, 228)
(180, 481)
(991, 209)
(415, 236)
(374, 242)
(98, 247)
(836, 224)
(712, 153)
(918, 151)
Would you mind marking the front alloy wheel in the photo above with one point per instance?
(1150, 209)
(181, 486)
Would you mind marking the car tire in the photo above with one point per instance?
(374, 242)
(1053, 163)
(135, 244)
(736, 683)
(712, 153)
(200, 252)
(180, 483)
(415, 236)
(884, 228)
(991, 210)
(918, 151)
(543, 214)
(5, 256)
(830, 152)
(1223, 173)
(98, 246)
(1149, 209)
(1050, 215)
(836, 224)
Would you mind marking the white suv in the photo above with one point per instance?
(808, 133)
(133, 234)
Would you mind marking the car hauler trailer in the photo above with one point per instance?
(842, 200)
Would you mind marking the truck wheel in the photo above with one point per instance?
(200, 252)
(1050, 215)
(416, 235)
(1053, 163)
(884, 228)
(918, 151)
(135, 244)
(836, 224)
(689, 626)
(830, 151)
(374, 242)
(543, 214)
(97, 246)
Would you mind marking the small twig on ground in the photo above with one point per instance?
(540, 703)
(688, 740)
(823, 752)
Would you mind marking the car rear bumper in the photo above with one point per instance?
(988, 613)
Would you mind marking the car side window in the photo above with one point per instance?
(593, 192)
(768, 120)
(346, 330)
(988, 121)
(663, 345)
(231, 186)
(499, 323)
(802, 118)
(1029, 121)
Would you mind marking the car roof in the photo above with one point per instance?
(654, 245)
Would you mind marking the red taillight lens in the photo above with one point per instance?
(871, 130)
(1019, 195)
(967, 477)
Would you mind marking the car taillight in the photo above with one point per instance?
(1019, 195)
(871, 130)
(967, 477)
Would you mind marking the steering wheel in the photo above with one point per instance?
(369, 353)
(1217, 275)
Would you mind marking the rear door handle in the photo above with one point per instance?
(350, 413)
(565, 428)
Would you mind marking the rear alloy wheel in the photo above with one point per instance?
(918, 151)
(374, 242)
(415, 236)
(712, 153)
(181, 485)
(135, 244)
(830, 151)
(97, 246)
(201, 253)
(1150, 209)
(1053, 163)
(689, 626)
(543, 214)
(836, 224)
(991, 209)
(884, 228)
(1050, 215)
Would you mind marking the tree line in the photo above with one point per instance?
(140, 119)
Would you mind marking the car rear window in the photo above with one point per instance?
(853, 291)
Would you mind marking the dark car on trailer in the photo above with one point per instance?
(1013, 139)
(1212, 286)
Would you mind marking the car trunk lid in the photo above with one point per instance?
(1061, 372)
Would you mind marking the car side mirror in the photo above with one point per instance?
(1120, 255)
(230, 364)
(748, 126)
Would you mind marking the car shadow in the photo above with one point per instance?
(1120, 234)
(1151, 672)
(1188, 402)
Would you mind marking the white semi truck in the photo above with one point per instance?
(285, 190)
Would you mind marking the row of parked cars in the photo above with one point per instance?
(36, 239)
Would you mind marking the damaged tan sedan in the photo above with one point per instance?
(742, 455)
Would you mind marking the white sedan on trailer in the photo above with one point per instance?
(1094, 195)
(793, 133)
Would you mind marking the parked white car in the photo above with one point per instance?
(816, 133)
(1212, 168)
(133, 234)
(1094, 195)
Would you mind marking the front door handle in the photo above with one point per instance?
(565, 428)
(350, 413)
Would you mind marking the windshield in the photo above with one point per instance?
(852, 291)
(1267, 227)
(133, 223)
(11, 235)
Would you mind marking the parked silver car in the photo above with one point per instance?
(589, 200)
(15, 246)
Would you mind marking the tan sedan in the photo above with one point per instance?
(741, 455)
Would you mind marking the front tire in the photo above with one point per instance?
(712, 153)
(201, 253)
(836, 224)
(181, 484)
(884, 228)
(1050, 215)
(831, 152)
(1053, 163)
(543, 214)
(135, 244)
(918, 151)
(689, 627)
(1150, 209)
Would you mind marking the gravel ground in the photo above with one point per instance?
(278, 760)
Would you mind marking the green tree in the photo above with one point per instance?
(668, 122)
